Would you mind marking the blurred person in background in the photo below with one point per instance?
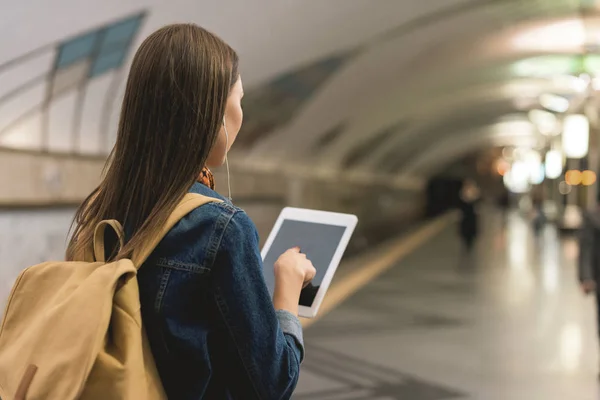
(503, 203)
(589, 257)
(468, 198)
(539, 218)
(214, 331)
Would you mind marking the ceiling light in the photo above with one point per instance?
(545, 121)
(573, 177)
(517, 179)
(566, 35)
(553, 164)
(535, 170)
(514, 127)
(554, 102)
(588, 178)
(576, 136)
(577, 84)
(545, 66)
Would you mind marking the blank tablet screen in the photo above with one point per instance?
(318, 241)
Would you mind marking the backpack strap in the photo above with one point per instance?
(99, 237)
(190, 202)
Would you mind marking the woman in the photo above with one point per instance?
(214, 331)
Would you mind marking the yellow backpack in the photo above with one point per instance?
(73, 330)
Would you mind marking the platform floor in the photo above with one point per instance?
(509, 323)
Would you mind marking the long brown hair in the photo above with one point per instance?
(173, 108)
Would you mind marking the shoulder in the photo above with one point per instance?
(225, 217)
(216, 228)
(198, 237)
(241, 224)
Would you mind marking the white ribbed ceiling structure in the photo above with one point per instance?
(386, 87)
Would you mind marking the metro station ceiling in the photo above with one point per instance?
(389, 88)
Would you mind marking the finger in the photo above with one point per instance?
(295, 249)
(307, 281)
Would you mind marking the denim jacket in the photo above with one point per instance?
(208, 314)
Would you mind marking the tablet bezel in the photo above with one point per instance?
(348, 221)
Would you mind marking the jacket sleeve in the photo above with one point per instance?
(586, 248)
(269, 342)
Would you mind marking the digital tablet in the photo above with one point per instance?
(322, 236)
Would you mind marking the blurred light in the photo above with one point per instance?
(585, 78)
(591, 64)
(564, 188)
(554, 102)
(551, 269)
(538, 176)
(576, 136)
(573, 177)
(516, 179)
(502, 167)
(554, 164)
(571, 346)
(545, 66)
(577, 84)
(556, 65)
(588, 178)
(533, 160)
(521, 127)
(521, 278)
(520, 153)
(566, 35)
(545, 121)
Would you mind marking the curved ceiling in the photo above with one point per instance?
(335, 87)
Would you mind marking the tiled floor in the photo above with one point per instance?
(507, 324)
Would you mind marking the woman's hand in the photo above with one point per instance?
(293, 271)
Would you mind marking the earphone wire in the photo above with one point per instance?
(227, 160)
(228, 179)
